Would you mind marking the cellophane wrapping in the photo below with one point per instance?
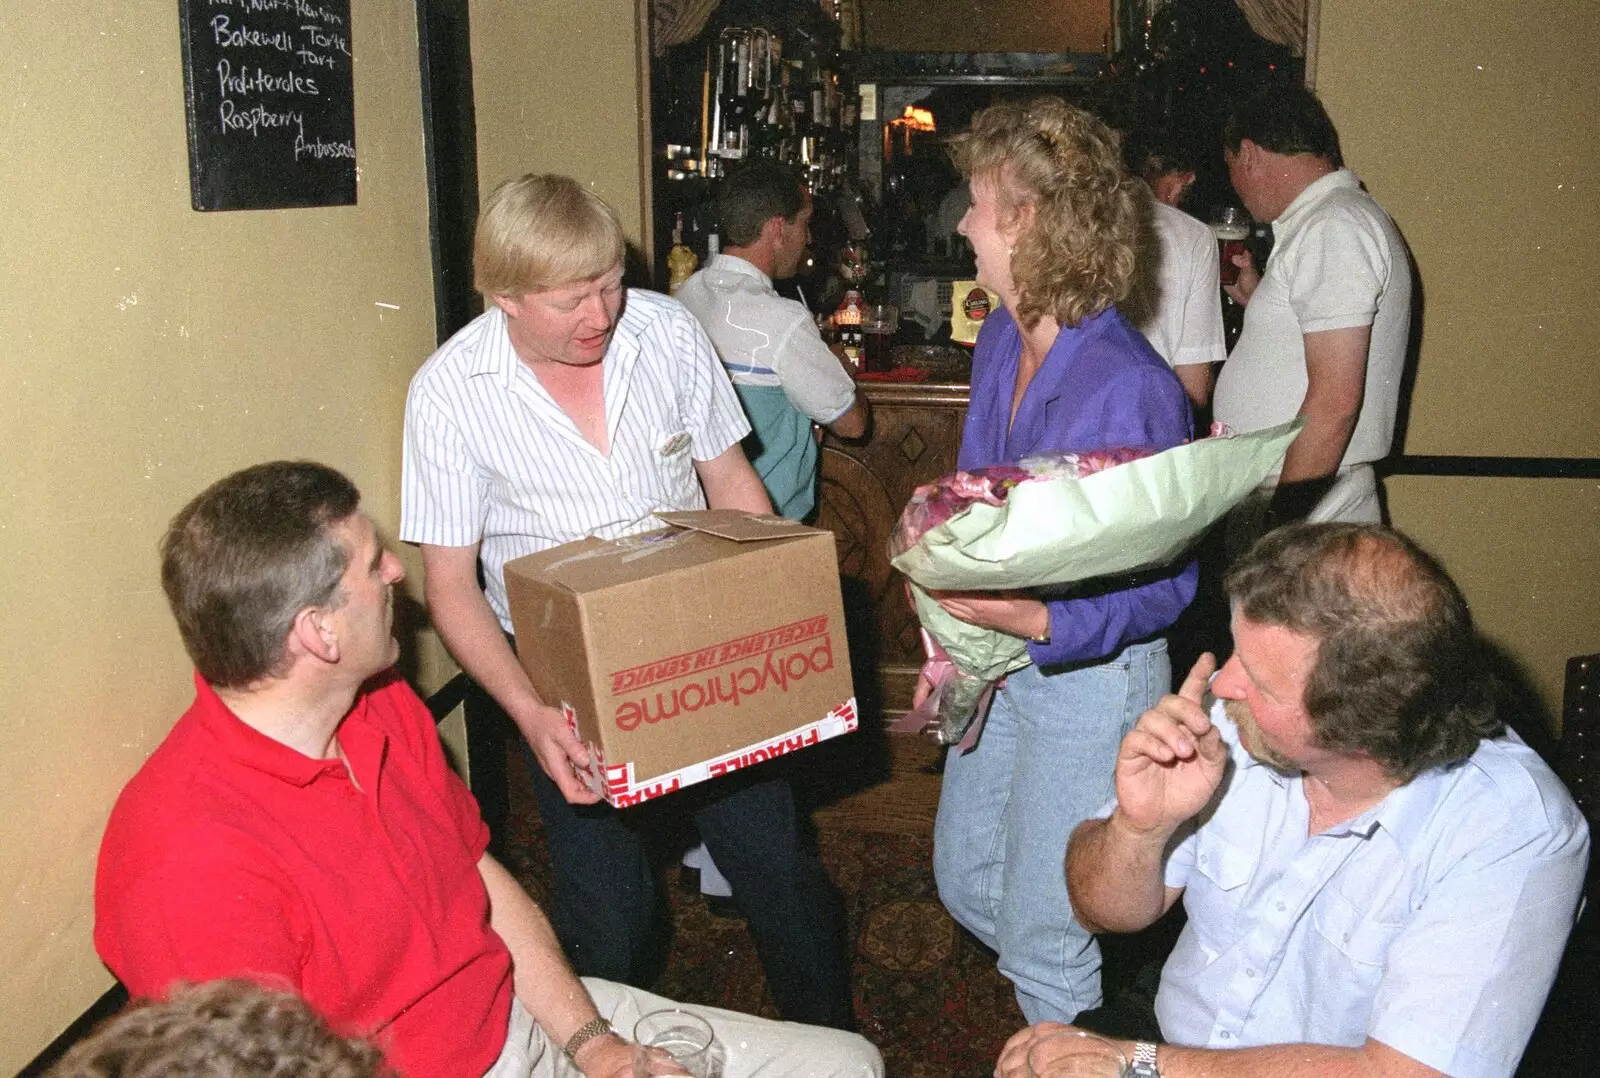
(1062, 519)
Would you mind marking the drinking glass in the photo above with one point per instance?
(671, 1041)
(879, 322)
(1231, 226)
(1073, 1054)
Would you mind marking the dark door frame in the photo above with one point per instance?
(450, 148)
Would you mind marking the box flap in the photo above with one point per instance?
(735, 524)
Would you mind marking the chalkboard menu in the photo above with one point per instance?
(271, 100)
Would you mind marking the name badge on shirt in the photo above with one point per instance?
(676, 444)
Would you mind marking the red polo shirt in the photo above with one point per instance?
(229, 854)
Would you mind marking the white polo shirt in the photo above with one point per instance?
(1337, 262)
(490, 457)
(1178, 305)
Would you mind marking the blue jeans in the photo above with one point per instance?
(1044, 763)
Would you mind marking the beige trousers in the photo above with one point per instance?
(746, 1046)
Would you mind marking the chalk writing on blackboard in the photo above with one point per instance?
(270, 94)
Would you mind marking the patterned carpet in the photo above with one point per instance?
(926, 993)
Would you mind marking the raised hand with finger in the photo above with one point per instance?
(1172, 761)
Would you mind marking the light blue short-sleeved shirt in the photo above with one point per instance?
(783, 372)
(1433, 922)
(766, 340)
(491, 457)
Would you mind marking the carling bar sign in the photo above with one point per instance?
(271, 102)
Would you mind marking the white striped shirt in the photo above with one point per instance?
(490, 457)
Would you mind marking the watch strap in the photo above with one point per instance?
(595, 1027)
(1144, 1060)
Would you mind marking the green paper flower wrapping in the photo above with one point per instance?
(1055, 531)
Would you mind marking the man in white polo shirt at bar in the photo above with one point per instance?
(1325, 326)
(575, 408)
(1177, 302)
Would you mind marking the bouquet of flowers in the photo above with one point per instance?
(1054, 520)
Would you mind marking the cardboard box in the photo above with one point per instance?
(684, 654)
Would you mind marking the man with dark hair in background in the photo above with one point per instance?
(786, 377)
(300, 827)
(1165, 161)
(1379, 877)
(1326, 323)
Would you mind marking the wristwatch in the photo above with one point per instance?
(1144, 1061)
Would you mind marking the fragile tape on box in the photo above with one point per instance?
(620, 787)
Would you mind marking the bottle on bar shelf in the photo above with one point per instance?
(681, 261)
(847, 320)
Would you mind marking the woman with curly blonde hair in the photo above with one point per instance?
(1053, 224)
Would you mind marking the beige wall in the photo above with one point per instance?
(1525, 553)
(1481, 137)
(148, 350)
(1479, 134)
(557, 87)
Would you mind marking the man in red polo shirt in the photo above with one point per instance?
(299, 826)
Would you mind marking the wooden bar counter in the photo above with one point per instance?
(915, 436)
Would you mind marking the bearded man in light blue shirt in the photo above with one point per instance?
(1379, 877)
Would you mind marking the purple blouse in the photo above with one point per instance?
(1100, 387)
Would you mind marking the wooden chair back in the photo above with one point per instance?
(1580, 735)
(1568, 1036)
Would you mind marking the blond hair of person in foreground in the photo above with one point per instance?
(220, 1029)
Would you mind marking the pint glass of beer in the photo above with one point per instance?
(1231, 226)
(878, 325)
